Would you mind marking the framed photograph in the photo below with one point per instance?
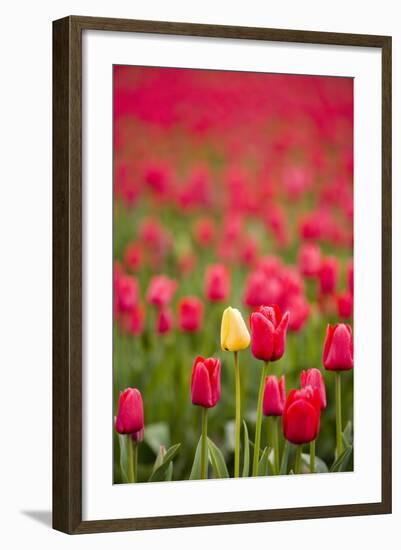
(221, 274)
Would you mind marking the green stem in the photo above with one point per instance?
(130, 459)
(259, 421)
(276, 445)
(312, 452)
(237, 415)
(135, 453)
(204, 444)
(298, 459)
(338, 415)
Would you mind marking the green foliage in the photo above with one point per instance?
(285, 458)
(123, 441)
(263, 465)
(320, 465)
(196, 466)
(245, 468)
(163, 471)
(217, 459)
(341, 463)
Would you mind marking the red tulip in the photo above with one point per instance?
(158, 178)
(268, 332)
(217, 283)
(153, 234)
(345, 305)
(205, 382)
(190, 314)
(164, 321)
(271, 266)
(161, 290)
(328, 275)
(309, 259)
(204, 231)
(299, 310)
(133, 321)
(133, 256)
(261, 289)
(248, 250)
(274, 396)
(314, 378)
(338, 353)
(130, 417)
(301, 415)
(296, 181)
(126, 293)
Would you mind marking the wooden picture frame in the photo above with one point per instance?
(67, 273)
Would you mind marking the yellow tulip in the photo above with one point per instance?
(234, 333)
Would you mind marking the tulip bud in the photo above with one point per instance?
(262, 288)
(309, 259)
(314, 378)
(130, 417)
(268, 330)
(345, 305)
(190, 314)
(133, 321)
(161, 290)
(274, 396)
(126, 293)
(328, 275)
(234, 333)
(338, 353)
(133, 256)
(204, 231)
(301, 415)
(205, 382)
(299, 310)
(217, 283)
(164, 321)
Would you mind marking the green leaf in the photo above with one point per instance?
(123, 441)
(196, 466)
(320, 465)
(347, 435)
(157, 434)
(169, 473)
(270, 463)
(245, 468)
(341, 463)
(159, 459)
(263, 466)
(159, 474)
(284, 459)
(217, 460)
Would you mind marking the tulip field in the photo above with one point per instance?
(233, 274)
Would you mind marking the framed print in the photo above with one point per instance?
(221, 275)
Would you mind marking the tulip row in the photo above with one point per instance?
(300, 410)
(268, 282)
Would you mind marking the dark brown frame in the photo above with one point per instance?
(67, 274)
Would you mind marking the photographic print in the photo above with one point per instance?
(232, 274)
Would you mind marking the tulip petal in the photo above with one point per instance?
(234, 332)
(262, 343)
(280, 336)
(339, 352)
(302, 422)
(201, 388)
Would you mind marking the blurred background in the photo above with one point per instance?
(236, 189)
